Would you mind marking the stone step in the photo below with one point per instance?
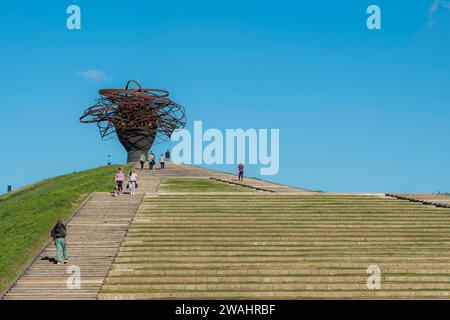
(172, 271)
(229, 287)
(272, 295)
(306, 279)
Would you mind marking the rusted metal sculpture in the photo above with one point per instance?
(139, 117)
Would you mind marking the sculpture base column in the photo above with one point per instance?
(136, 142)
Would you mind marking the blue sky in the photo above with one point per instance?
(358, 110)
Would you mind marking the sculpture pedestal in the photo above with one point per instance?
(136, 142)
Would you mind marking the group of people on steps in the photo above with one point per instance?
(132, 176)
(151, 159)
(120, 178)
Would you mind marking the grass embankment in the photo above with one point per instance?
(27, 215)
(199, 185)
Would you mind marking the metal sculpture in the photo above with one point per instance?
(139, 117)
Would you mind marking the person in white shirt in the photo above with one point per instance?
(162, 160)
(132, 182)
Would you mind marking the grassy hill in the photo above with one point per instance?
(27, 215)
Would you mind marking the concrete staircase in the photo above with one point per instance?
(278, 243)
(281, 246)
(94, 236)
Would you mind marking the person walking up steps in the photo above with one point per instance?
(240, 171)
(120, 177)
(162, 161)
(151, 160)
(132, 182)
(58, 234)
(142, 161)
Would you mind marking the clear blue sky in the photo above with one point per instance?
(358, 110)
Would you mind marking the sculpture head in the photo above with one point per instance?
(139, 117)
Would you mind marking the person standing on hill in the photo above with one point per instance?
(240, 171)
(58, 233)
(151, 160)
(162, 161)
(109, 160)
(167, 155)
(132, 182)
(120, 177)
(142, 161)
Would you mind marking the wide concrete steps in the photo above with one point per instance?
(281, 246)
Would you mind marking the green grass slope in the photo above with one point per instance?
(27, 215)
